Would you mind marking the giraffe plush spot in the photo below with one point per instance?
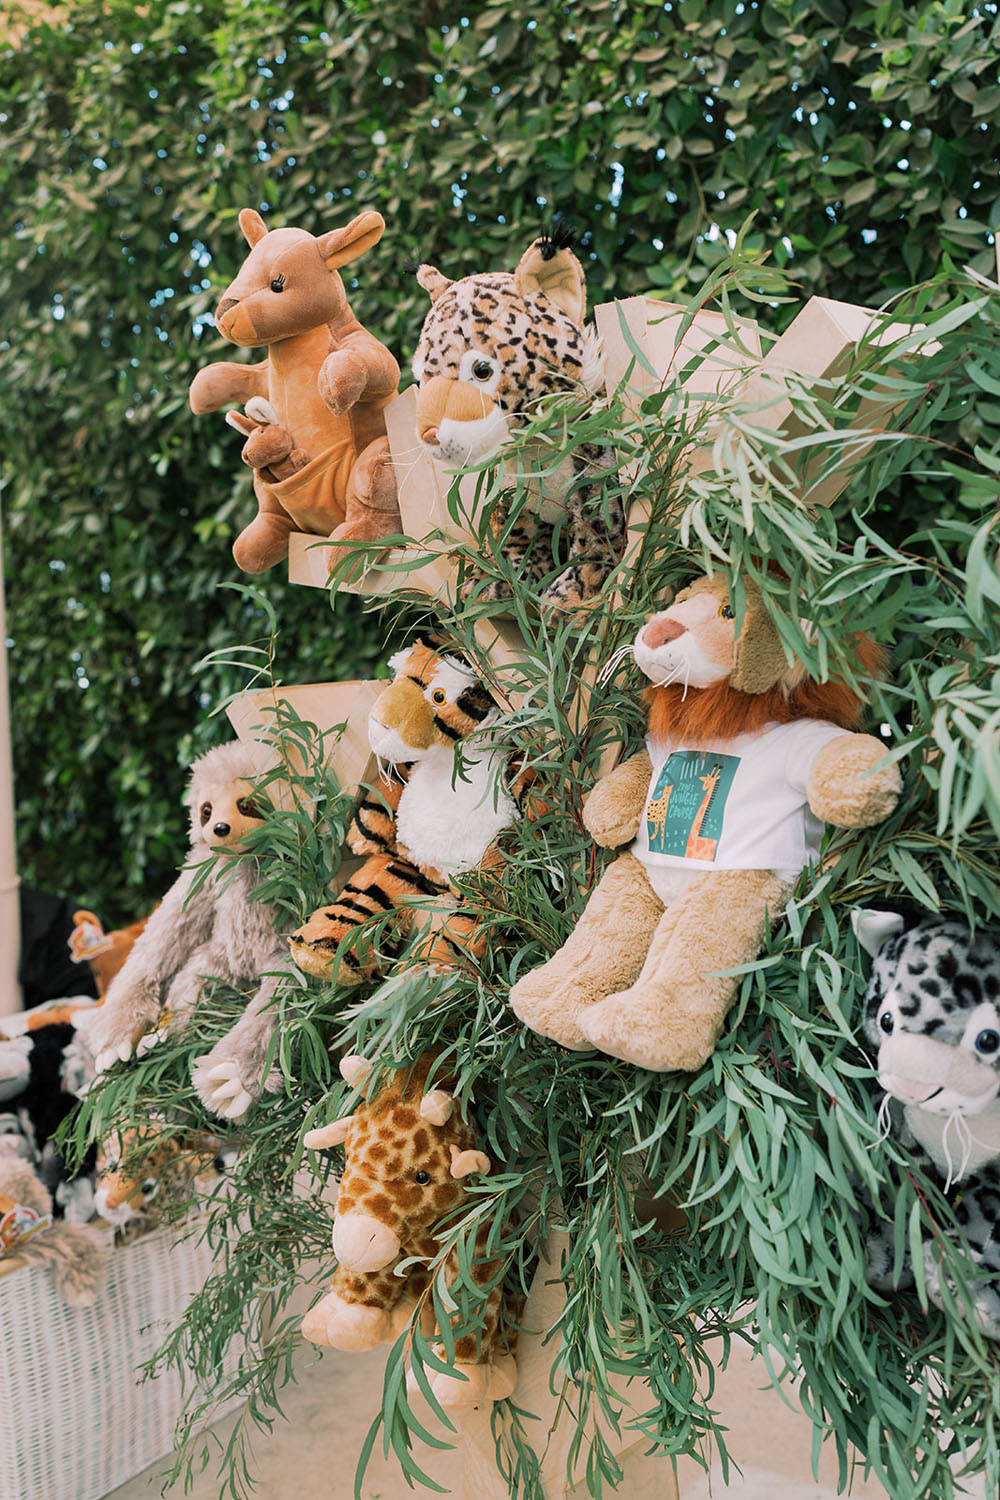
(389, 1208)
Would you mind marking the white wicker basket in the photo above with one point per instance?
(74, 1421)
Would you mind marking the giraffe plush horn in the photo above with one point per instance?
(464, 1163)
(354, 1069)
(436, 1107)
(334, 1134)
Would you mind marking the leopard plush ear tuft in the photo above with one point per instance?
(432, 281)
(553, 269)
(760, 661)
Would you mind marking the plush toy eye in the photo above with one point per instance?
(987, 1042)
(439, 696)
(278, 284)
(246, 808)
(726, 612)
(206, 812)
(887, 1022)
(148, 1186)
(422, 1178)
(482, 369)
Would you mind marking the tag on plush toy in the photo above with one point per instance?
(88, 937)
(18, 1225)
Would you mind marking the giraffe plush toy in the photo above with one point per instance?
(314, 407)
(408, 1153)
(747, 757)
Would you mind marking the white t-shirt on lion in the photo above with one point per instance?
(735, 804)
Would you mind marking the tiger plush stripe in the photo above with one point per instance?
(428, 821)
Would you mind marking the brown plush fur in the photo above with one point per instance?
(315, 427)
(74, 1253)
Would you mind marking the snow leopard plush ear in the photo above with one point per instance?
(874, 928)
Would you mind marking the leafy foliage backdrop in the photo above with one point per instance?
(862, 138)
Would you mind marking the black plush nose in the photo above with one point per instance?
(220, 830)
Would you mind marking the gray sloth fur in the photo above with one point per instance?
(219, 930)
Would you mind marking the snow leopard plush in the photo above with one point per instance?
(492, 348)
(933, 1012)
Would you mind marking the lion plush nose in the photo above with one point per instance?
(661, 629)
(363, 1243)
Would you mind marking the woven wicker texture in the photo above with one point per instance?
(74, 1421)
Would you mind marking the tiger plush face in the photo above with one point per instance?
(933, 1011)
(493, 345)
(433, 701)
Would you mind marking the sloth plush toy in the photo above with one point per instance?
(746, 758)
(210, 928)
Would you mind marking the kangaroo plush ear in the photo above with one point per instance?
(354, 1069)
(556, 272)
(334, 1134)
(432, 281)
(437, 1107)
(760, 657)
(252, 225)
(873, 928)
(338, 246)
(464, 1163)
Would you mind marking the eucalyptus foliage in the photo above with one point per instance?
(862, 137)
(768, 1149)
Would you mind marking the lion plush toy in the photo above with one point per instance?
(746, 758)
(492, 347)
(204, 928)
(314, 407)
(434, 818)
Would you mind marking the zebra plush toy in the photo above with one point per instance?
(933, 1012)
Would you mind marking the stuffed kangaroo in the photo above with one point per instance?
(314, 407)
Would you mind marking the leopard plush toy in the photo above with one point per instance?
(932, 1011)
(436, 815)
(493, 346)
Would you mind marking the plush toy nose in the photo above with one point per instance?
(221, 830)
(430, 435)
(362, 1242)
(225, 305)
(660, 630)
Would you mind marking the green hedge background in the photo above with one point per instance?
(863, 140)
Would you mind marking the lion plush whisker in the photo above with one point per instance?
(613, 662)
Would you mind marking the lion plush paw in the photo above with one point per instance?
(550, 1002)
(649, 1032)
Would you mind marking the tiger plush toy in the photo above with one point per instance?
(932, 1013)
(446, 797)
(492, 347)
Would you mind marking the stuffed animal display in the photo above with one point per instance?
(408, 1155)
(445, 801)
(747, 757)
(492, 347)
(74, 1253)
(142, 1172)
(103, 952)
(314, 407)
(42, 1073)
(204, 928)
(932, 1012)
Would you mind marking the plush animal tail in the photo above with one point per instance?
(75, 1254)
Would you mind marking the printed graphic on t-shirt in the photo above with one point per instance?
(684, 814)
